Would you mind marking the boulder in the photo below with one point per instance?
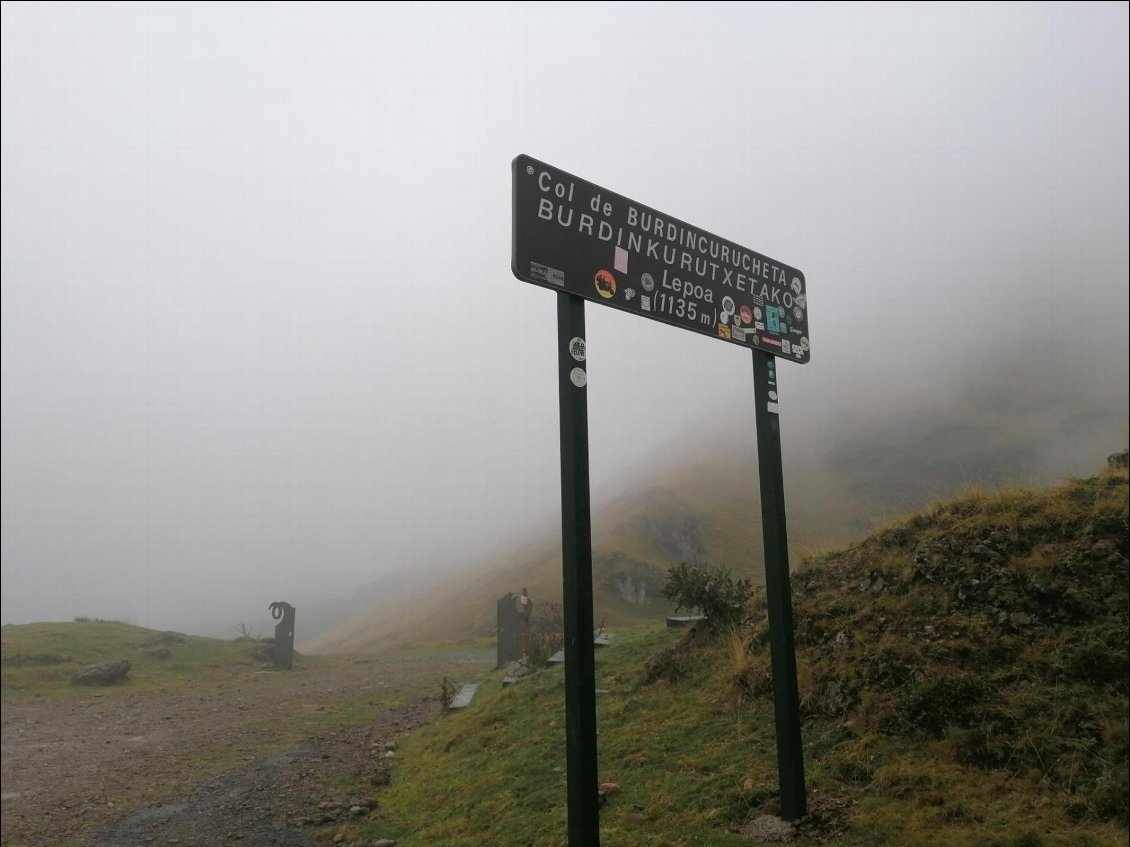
(102, 673)
(264, 651)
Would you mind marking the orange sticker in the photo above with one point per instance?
(605, 284)
(723, 331)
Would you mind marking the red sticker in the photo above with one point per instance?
(605, 284)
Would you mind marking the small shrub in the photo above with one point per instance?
(667, 665)
(981, 749)
(545, 634)
(710, 591)
(1110, 795)
(1100, 658)
(447, 692)
(942, 701)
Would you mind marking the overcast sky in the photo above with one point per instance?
(260, 335)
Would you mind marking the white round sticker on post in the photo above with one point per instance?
(579, 377)
(577, 349)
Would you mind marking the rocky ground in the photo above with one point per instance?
(281, 800)
(190, 766)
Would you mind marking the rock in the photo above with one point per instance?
(873, 584)
(159, 652)
(264, 652)
(102, 673)
(606, 790)
(769, 829)
(390, 745)
(984, 554)
(357, 810)
(384, 842)
(1118, 460)
(680, 621)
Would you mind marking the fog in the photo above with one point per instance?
(261, 339)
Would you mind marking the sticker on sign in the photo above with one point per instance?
(550, 276)
(574, 236)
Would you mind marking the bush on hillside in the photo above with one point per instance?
(545, 634)
(709, 590)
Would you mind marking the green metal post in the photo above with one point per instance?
(576, 555)
(778, 595)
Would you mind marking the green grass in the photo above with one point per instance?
(40, 659)
(694, 761)
(963, 678)
(497, 769)
(986, 729)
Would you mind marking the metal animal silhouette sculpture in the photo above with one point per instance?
(283, 652)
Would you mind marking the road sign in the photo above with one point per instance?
(588, 243)
(577, 238)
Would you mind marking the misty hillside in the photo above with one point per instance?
(1024, 417)
(963, 681)
(704, 507)
(635, 538)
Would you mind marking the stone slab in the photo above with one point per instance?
(684, 620)
(463, 699)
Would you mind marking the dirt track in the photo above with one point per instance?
(124, 768)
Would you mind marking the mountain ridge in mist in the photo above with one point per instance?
(697, 500)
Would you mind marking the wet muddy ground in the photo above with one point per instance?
(243, 760)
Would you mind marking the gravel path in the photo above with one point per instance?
(277, 801)
(206, 765)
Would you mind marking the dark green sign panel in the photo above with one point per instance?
(575, 237)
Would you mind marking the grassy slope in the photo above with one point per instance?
(716, 497)
(839, 488)
(39, 659)
(992, 630)
(976, 697)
